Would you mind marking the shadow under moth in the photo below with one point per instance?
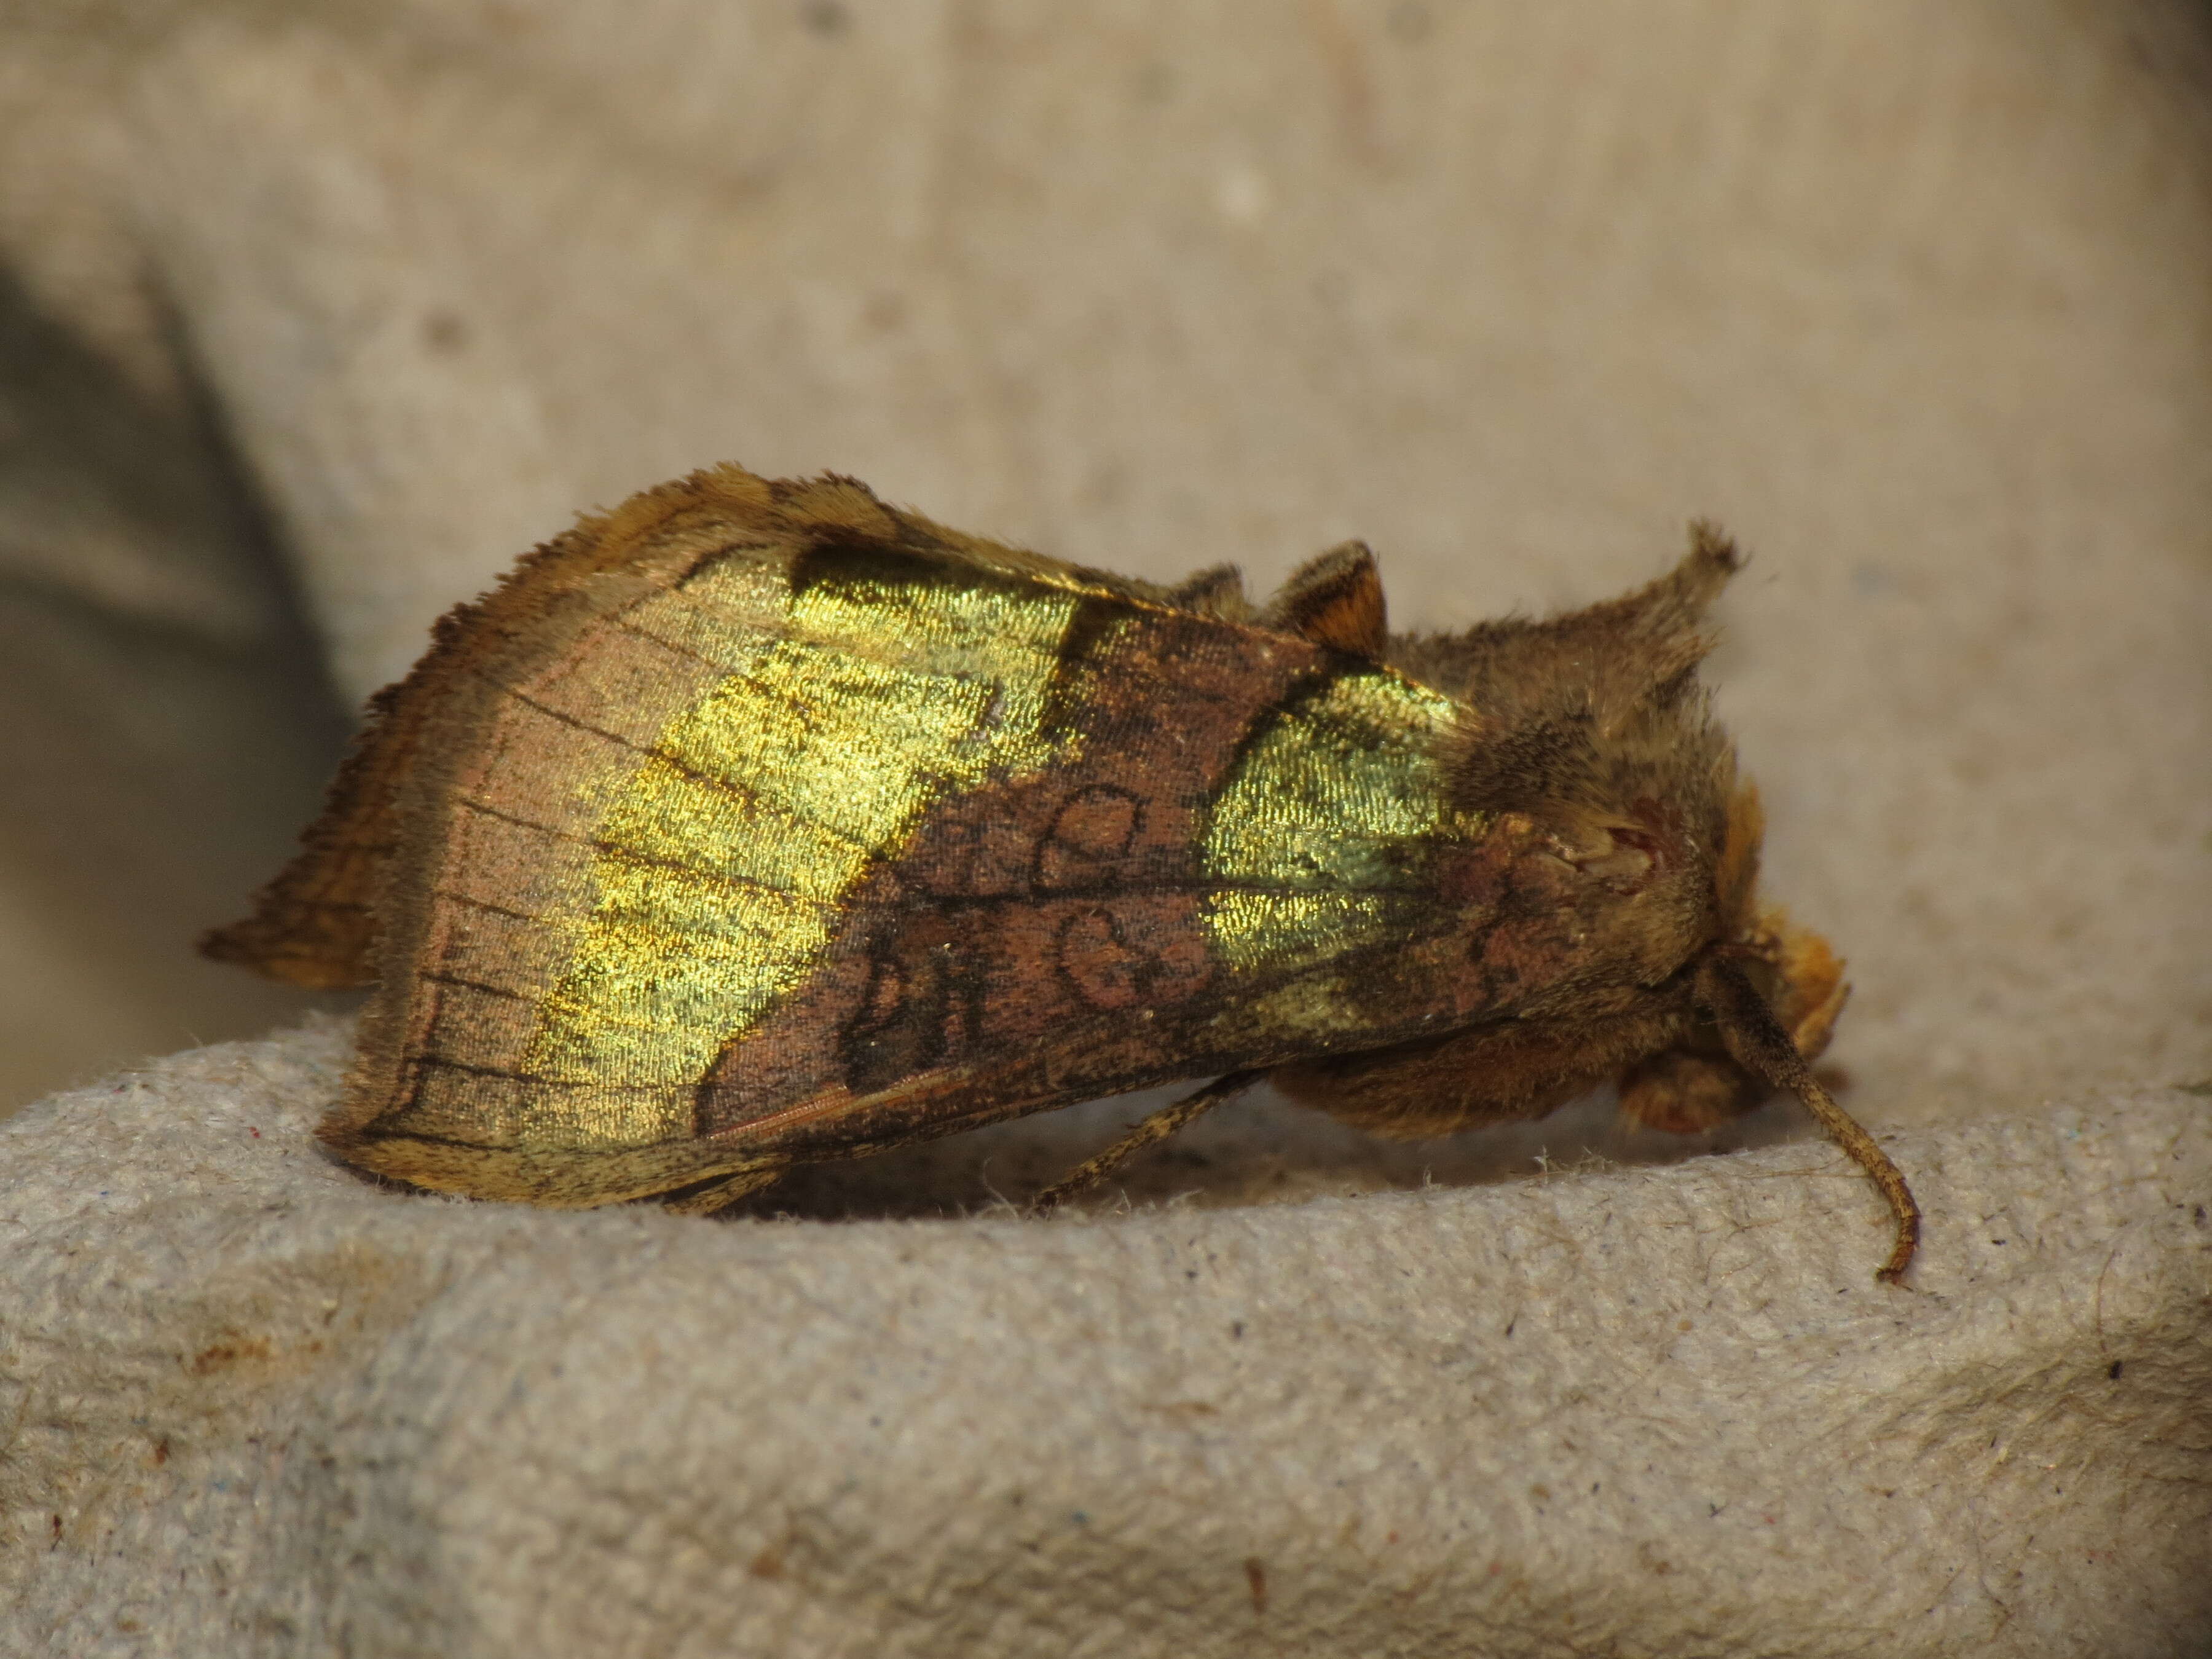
(755, 823)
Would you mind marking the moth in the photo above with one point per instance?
(754, 824)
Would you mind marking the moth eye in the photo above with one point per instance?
(1643, 843)
(1628, 862)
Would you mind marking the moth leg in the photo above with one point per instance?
(707, 1197)
(1150, 1131)
(1686, 1092)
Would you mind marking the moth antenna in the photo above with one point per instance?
(1757, 1043)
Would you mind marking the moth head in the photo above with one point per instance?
(1592, 730)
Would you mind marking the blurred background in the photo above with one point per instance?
(312, 318)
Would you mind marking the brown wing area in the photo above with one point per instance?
(312, 924)
(316, 923)
(1042, 940)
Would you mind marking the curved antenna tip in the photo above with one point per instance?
(1757, 1042)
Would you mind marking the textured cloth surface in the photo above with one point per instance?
(312, 318)
(258, 1406)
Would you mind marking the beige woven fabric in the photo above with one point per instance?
(367, 297)
(260, 1407)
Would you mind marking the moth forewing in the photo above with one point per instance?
(757, 823)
